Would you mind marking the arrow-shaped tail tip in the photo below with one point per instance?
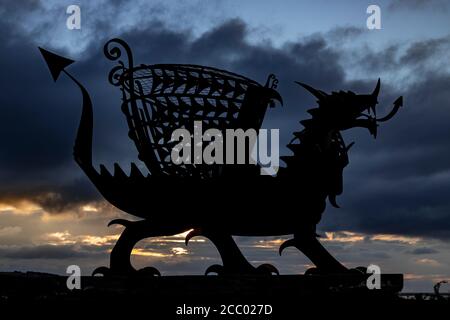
(399, 101)
(55, 63)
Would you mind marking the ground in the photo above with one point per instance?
(189, 297)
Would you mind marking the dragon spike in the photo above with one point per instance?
(118, 172)
(374, 96)
(294, 147)
(314, 112)
(349, 146)
(274, 95)
(376, 91)
(104, 172)
(286, 244)
(332, 199)
(191, 234)
(55, 63)
(121, 222)
(317, 93)
(135, 172)
(286, 159)
(306, 122)
(298, 135)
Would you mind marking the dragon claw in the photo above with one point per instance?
(267, 268)
(215, 268)
(358, 270)
(312, 271)
(286, 244)
(105, 271)
(149, 271)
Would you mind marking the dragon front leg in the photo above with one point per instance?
(135, 231)
(310, 246)
(233, 261)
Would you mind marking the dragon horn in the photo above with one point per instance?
(317, 93)
(377, 89)
(374, 96)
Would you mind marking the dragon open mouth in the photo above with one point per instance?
(370, 121)
(373, 117)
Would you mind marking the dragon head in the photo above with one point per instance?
(344, 110)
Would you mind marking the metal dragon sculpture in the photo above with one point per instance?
(217, 201)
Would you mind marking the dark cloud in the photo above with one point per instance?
(417, 57)
(423, 250)
(54, 198)
(345, 33)
(421, 51)
(42, 252)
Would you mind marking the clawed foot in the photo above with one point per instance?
(308, 244)
(120, 264)
(267, 269)
(149, 271)
(215, 268)
(234, 263)
(103, 271)
(358, 270)
(287, 244)
(144, 272)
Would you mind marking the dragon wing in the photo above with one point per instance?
(160, 98)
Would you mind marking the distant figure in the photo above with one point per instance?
(437, 288)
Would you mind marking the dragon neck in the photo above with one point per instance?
(319, 156)
(319, 139)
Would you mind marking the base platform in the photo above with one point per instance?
(286, 294)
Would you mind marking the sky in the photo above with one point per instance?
(395, 209)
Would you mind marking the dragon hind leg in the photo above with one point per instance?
(308, 244)
(134, 231)
(233, 260)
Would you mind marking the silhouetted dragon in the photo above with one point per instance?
(219, 201)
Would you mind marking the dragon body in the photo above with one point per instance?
(220, 201)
